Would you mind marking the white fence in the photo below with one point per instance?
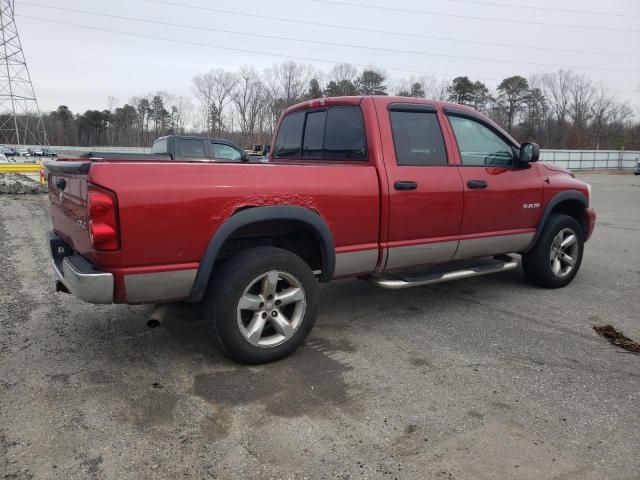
(592, 159)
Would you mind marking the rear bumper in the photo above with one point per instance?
(78, 275)
(590, 222)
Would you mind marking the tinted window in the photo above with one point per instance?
(226, 152)
(417, 138)
(190, 148)
(159, 146)
(289, 136)
(313, 134)
(479, 145)
(344, 134)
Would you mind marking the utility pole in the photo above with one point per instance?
(20, 118)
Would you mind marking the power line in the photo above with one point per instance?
(322, 42)
(236, 49)
(470, 17)
(552, 9)
(251, 51)
(386, 32)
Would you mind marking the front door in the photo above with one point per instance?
(502, 200)
(425, 190)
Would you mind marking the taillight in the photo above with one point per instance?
(103, 224)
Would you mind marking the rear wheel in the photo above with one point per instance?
(262, 304)
(555, 259)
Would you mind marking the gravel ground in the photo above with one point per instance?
(486, 378)
(16, 183)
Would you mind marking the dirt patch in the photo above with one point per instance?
(617, 338)
(15, 183)
(307, 383)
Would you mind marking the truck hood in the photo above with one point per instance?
(556, 168)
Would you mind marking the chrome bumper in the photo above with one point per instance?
(78, 275)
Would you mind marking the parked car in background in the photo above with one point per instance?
(367, 187)
(8, 151)
(48, 152)
(3, 158)
(37, 152)
(23, 152)
(636, 171)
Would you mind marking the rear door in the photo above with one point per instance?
(502, 200)
(425, 186)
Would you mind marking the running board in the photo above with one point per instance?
(398, 281)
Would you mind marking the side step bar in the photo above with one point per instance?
(501, 263)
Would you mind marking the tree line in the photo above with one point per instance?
(561, 109)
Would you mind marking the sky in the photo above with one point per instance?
(78, 60)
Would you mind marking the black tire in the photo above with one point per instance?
(228, 285)
(537, 264)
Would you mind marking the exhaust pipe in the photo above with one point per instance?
(157, 316)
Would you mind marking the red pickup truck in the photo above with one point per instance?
(368, 187)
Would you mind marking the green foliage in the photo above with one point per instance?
(371, 83)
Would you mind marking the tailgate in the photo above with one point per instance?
(67, 182)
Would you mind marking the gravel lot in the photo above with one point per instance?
(486, 378)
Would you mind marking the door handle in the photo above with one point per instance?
(477, 184)
(405, 185)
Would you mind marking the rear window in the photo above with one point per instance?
(336, 133)
(417, 138)
(159, 146)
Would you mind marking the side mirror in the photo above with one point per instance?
(529, 153)
(244, 157)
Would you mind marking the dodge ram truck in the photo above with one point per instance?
(401, 192)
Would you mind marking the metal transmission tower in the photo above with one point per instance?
(20, 118)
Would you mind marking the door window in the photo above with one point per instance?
(225, 152)
(479, 145)
(190, 148)
(417, 138)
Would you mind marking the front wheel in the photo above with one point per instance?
(262, 304)
(556, 257)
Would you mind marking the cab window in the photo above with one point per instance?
(289, 137)
(334, 133)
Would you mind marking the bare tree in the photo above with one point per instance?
(285, 84)
(601, 110)
(581, 93)
(343, 72)
(249, 99)
(557, 88)
(214, 89)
